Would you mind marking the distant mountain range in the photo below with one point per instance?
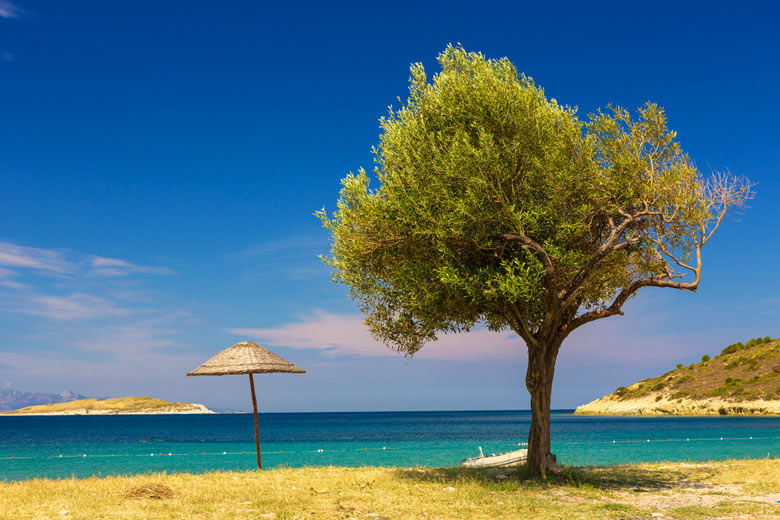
(15, 399)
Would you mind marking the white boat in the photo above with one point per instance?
(502, 460)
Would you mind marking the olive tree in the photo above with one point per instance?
(498, 206)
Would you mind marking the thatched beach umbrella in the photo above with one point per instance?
(246, 358)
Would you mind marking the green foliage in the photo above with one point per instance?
(479, 156)
(658, 386)
(705, 358)
(679, 365)
(736, 347)
(683, 379)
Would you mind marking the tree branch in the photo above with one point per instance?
(522, 329)
(534, 246)
(609, 245)
(616, 308)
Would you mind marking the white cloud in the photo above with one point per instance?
(12, 255)
(636, 339)
(54, 262)
(8, 10)
(108, 267)
(6, 56)
(76, 306)
(345, 334)
(93, 294)
(7, 279)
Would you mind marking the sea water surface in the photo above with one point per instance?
(82, 446)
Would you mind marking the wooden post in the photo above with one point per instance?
(257, 427)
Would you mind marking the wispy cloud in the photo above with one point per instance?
(74, 286)
(294, 258)
(282, 245)
(101, 266)
(637, 339)
(67, 263)
(7, 279)
(12, 255)
(76, 306)
(346, 335)
(6, 56)
(8, 10)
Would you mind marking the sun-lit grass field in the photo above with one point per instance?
(731, 489)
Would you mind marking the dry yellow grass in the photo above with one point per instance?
(732, 489)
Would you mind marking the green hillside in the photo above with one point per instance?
(741, 372)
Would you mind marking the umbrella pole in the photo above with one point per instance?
(257, 428)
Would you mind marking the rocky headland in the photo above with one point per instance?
(744, 379)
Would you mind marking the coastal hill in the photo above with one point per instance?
(744, 379)
(118, 406)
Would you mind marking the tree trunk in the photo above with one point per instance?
(539, 380)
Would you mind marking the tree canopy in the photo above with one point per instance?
(497, 205)
(492, 197)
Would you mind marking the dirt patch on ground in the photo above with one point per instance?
(151, 491)
(691, 494)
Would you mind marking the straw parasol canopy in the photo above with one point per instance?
(245, 358)
(250, 358)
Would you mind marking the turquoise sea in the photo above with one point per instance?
(80, 446)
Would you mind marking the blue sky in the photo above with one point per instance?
(160, 163)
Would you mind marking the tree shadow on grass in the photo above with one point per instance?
(601, 477)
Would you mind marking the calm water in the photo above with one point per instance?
(81, 446)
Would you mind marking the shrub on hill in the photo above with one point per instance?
(736, 347)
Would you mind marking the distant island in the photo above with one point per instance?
(117, 406)
(744, 379)
(15, 399)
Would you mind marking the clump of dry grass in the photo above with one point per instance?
(152, 490)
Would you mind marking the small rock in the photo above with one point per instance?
(267, 515)
(657, 515)
(499, 503)
(448, 489)
(64, 512)
(501, 477)
(245, 503)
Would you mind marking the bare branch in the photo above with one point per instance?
(610, 244)
(616, 308)
(522, 329)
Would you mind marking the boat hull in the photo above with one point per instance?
(503, 460)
